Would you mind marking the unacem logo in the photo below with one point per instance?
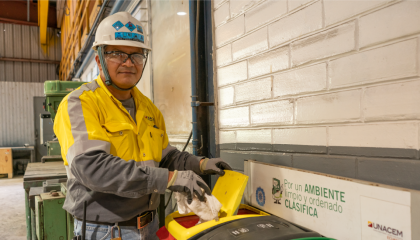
(386, 229)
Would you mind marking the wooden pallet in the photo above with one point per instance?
(6, 162)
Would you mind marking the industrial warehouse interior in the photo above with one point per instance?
(210, 119)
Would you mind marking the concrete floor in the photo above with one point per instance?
(12, 210)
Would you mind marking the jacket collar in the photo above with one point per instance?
(135, 92)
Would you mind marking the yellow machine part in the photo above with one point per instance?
(228, 190)
(43, 20)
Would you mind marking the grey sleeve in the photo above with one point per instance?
(103, 172)
(173, 159)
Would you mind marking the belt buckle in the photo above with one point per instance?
(139, 221)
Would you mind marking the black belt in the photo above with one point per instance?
(139, 221)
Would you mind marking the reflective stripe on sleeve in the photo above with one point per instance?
(69, 174)
(86, 146)
(82, 143)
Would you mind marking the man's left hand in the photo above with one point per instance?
(214, 166)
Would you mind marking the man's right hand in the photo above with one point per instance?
(190, 183)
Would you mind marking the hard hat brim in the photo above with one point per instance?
(121, 43)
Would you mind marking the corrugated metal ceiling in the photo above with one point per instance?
(20, 41)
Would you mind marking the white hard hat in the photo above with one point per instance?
(120, 29)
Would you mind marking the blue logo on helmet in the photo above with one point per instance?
(129, 36)
(260, 195)
(139, 29)
(130, 26)
(118, 25)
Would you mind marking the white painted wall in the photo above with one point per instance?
(321, 72)
(172, 67)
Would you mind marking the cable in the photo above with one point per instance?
(169, 199)
(84, 221)
(188, 141)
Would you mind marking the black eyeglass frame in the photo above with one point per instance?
(145, 54)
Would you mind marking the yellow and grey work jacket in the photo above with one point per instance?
(115, 164)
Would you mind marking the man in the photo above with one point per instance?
(115, 146)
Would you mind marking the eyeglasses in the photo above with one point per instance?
(121, 57)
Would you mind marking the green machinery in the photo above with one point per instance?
(54, 92)
(49, 208)
(45, 183)
(45, 189)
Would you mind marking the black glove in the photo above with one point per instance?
(214, 166)
(190, 183)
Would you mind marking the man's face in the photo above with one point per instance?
(126, 74)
